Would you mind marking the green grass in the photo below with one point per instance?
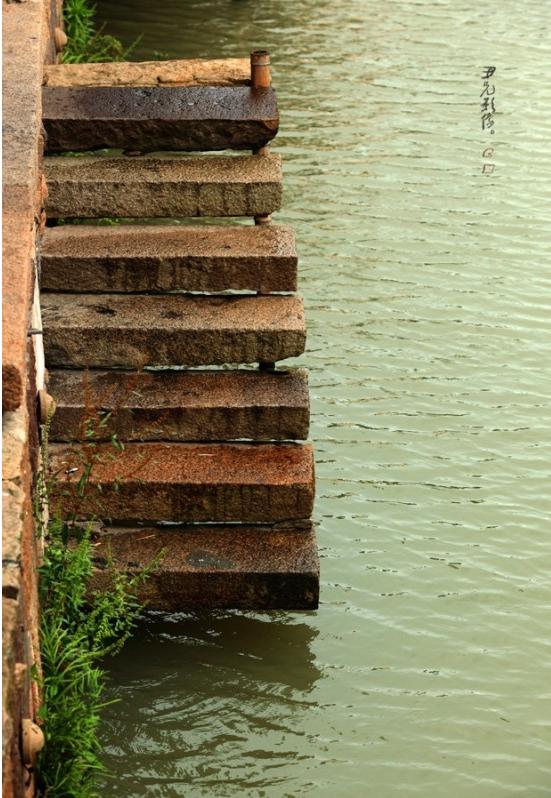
(78, 629)
(85, 43)
(76, 634)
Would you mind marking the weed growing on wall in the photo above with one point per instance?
(77, 631)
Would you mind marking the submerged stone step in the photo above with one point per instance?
(134, 258)
(235, 567)
(184, 482)
(158, 118)
(180, 405)
(181, 72)
(162, 186)
(133, 331)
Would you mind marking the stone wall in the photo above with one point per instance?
(28, 43)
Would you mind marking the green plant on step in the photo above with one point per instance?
(78, 629)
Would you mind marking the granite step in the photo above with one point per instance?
(179, 405)
(239, 567)
(133, 331)
(184, 482)
(162, 186)
(161, 258)
(148, 119)
(179, 72)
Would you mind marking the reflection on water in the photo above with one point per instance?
(426, 671)
(273, 646)
(252, 679)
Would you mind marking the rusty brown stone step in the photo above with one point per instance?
(162, 186)
(186, 483)
(181, 72)
(153, 258)
(180, 405)
(132, 331)
(148, 119)
(238, 567)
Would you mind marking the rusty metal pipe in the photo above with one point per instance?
(260, 69)
(264, 219)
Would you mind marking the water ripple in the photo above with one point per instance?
(426, 671)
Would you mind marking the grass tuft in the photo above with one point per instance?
(78, 629)
(85, 43)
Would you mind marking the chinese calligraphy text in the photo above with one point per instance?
(487, 111)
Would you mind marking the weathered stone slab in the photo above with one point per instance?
(19, 542)
(159, 118)
(120, 330)
(135, 258)
(256, 568)
(185, 482)
(180, 405)
(13, 508)
(18, 252)
(15, 701)
(23, 49)
(163, 186)
(186, 72)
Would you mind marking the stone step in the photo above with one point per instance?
(133, 331)
(181, 72)
(236, 567)
(184, 482)
(160, 258)
(155, 118)
(180, 405)
(162, 186)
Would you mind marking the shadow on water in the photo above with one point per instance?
(272, 647)
(226, 693)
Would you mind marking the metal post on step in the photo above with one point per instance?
(260, 69)
(265, 218)
(261, 78)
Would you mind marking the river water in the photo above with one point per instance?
(427, 669)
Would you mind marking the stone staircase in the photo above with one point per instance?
(152, 332)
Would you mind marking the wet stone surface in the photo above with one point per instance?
(158, 118)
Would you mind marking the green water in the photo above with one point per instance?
(426, 670)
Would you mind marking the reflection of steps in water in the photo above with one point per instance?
(265, 649)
